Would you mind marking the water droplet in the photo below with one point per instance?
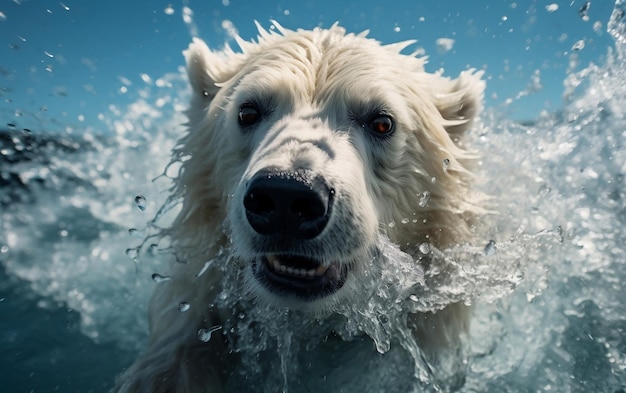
(578, 45)
(204, 268)
(50, 55)
(140, 201)
(153, 249)
(490, 248)
(135, 232)
(132, 253)
(205, 334)
(424, 198)
(446, 164)
(424, 248)
(584, 11)
(205, 93)
(552, 7)
(156, 277)
(169, 10)
(183, 306)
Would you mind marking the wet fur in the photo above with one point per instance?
(317, 88)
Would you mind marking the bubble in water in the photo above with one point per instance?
(183, 306)
(65, 7)
(156, 277)
(4, 249)
(405, 220)
(424, 248)
(414, 298)
(205, 334)
(391, 224)
(446, 164)
(424, 198)
(490, 248)
(140, 201)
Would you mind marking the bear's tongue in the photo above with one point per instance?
(298, 266)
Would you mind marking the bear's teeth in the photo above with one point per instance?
(321, 270)
(277, 266)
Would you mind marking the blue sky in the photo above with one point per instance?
(64, 63)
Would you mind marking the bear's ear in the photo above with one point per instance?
(460, 101)
(207, 69)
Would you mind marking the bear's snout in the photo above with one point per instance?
(293, 204)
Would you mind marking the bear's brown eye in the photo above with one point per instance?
(382, 124)
(248, 115)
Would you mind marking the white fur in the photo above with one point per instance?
(318, 87)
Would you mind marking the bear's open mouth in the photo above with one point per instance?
(305, 278)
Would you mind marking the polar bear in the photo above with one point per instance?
(302, 149)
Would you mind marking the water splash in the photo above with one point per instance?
(424, 198)
(445, 164)
(617, 26)
(547, 300)
(490, 248)
(205, 334)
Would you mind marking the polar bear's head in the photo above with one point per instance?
(307, 144)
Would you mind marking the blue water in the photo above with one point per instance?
(92, 126)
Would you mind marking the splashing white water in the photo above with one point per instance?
(548, 309)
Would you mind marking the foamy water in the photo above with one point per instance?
(545, 282)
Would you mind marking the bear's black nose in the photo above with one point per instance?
(291, 204)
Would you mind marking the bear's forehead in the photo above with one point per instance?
(328, 49)
(319, 64)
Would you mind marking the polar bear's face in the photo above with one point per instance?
(303, 215)
(308, 144)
